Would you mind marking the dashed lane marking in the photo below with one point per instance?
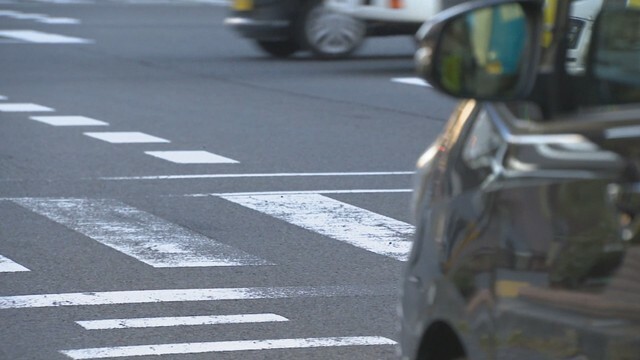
(191, 157)
(126, 137)
(109, 324)
(188, 295)
(225, 346)
(138, 234)
(335, 219)
(24, 107)
(33, 36)
(69, 121)
(8, 265)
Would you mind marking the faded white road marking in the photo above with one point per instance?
(69, 121)
(126, 137)
(2, 97)
(223, 176)
(179, 321)
(353, 225)
(183, 295)
(411, 81)
(225, 346)
(23, 107)
(7, 265)
(138, 234)
(191, 157)
(41, 37)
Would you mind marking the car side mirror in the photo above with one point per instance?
(487, 50)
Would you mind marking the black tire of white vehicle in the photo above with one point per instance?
(280, 49)
(328, 34)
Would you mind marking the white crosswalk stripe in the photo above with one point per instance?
(183, 295)
(138, 234)
(225, 346)
(108, 324)
(350, 224)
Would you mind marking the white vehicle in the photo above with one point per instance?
(582, 16)
(388, 17)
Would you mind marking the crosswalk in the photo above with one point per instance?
(162, 244)
(159, 243)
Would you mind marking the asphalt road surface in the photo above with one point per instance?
(167, 189)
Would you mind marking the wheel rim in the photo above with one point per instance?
(333, 33)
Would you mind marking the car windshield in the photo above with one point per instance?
(603, 57)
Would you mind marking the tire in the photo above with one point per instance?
(279, 49)
(328, 34)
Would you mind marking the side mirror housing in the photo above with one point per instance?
(486, 50)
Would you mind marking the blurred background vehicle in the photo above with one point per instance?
(527, 206)
(388, 17)
(583, 14)
(284, 27)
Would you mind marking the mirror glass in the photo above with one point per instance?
(483, 53)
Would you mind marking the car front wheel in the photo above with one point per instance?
(328, 34)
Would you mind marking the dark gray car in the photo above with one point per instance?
(527, 206)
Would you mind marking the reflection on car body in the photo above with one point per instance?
(527, 206)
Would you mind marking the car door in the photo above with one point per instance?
(565, 256)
